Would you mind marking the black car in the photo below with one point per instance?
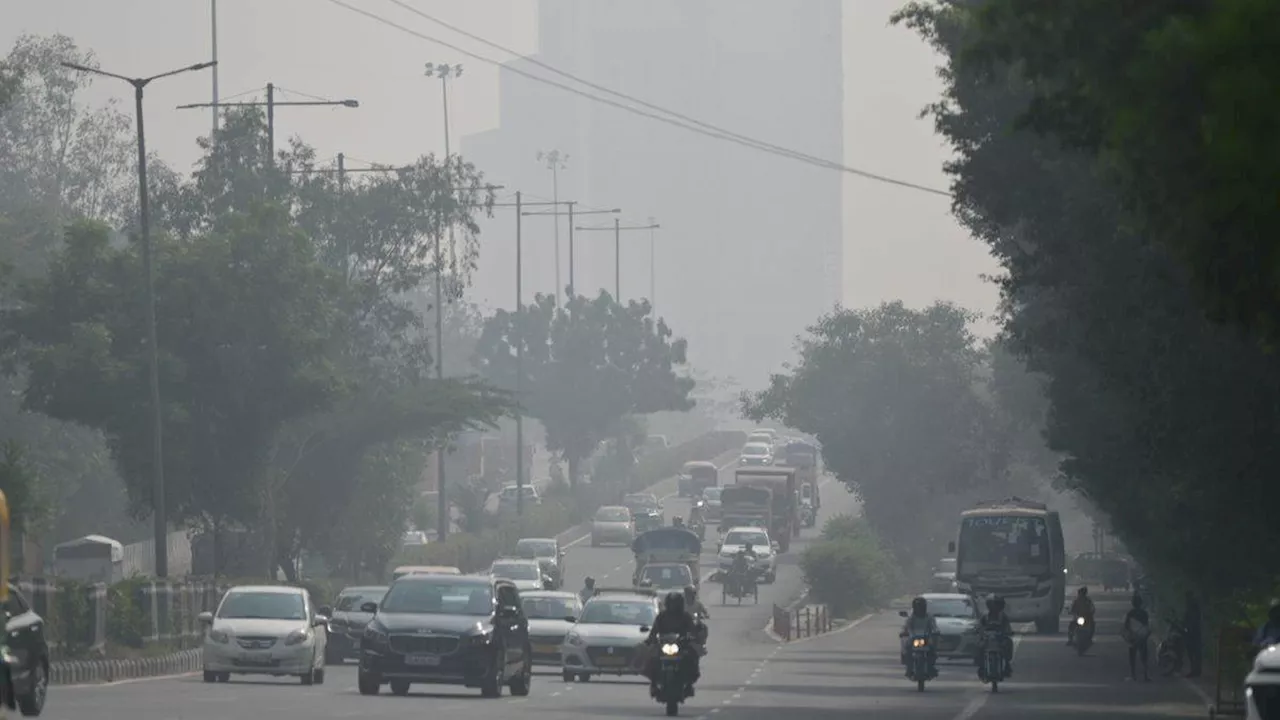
(347, 623)
(447, 630)
(25, 684)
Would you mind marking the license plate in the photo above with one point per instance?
(255, 659)
(547, 649)
(611, 661)
(422, 660)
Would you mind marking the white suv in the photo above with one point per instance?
(507, 498)
(766, 555)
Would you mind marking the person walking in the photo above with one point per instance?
(1137, 633)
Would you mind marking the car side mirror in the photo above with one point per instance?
(205, 618)
(369, 607)
(951, 547)
(570, 619)
(325, 610)
(319, 620)
(644, 628)
(902, 613)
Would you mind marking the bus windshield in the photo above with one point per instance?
(1004, 542)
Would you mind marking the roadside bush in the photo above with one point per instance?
(126, 622)
(848, 568)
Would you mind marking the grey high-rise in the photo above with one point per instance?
(751, 246)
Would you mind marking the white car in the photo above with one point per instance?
(738, 538)
(265, 630)
(1262, 685)
(756, 453)
(607, 637)
(507, 498)
(524, 574)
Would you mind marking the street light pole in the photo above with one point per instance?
(271, 104)
(617, 229)
(444, 72)
(159, 509)
(557, 161)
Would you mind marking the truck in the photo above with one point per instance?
(781, 482)
(742, 505)
(803, 456)
(666, 546)
(1014, 548)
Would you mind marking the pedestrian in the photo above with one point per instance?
(1193, 626)
(1137, 632)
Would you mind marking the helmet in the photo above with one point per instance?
(590, 581)
(1083, 591)
(690, 593)
(675, 602)
(919, 606)
(677, 522)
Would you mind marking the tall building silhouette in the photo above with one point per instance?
(750, 250)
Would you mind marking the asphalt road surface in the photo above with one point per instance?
(852, 673)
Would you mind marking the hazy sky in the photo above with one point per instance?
(898, 243)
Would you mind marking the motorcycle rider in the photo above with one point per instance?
(996, 621)
(695, 514)
(588, 589)
(699, 612)
(673, 620)
(920, 622)
(1083, 607)
(1269, 633)
(677, 521)
(743, 565)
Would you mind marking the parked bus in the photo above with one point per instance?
(1014, 548)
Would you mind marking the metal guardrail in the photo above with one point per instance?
(801, 622)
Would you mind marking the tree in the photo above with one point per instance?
(1179, 100)
(892, 394)
(1158, 413)
(587, 366)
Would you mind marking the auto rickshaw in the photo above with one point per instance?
(8, 700)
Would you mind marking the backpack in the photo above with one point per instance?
(1138, 631)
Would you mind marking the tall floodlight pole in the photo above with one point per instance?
(444, 72)
(159, 510)
(271, 104)
(556, 161)
(617, 229)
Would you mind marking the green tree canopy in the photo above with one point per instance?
(587, 365)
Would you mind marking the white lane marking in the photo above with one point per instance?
(714, 710)
(555, 694)
(130, 681)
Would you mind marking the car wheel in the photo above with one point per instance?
(521, 683)
(31, 703)
(491, 686)
(309, 677)
(567, 676)
(319, 673)
(584, 677)
(400, 687)
(368, 683)
(224, 677)
(210, 676)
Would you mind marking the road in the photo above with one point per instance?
(852, 673)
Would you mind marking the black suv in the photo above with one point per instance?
(25, 684)
(447, 630)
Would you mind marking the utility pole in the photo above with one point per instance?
(618, 229)
(159, 508)
(556, 161)
(653, 283)
(444, 72)
(213, 27)
(557, 213)
(271, 104)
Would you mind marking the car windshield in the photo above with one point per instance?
(549, 608)
(536, 548)
(666, 576)
(438, 597)
(712, 494)
(263, 606)
(352, 600)
(744, 537)
(952, 608)
(755, 449)
(619, 612)
(515, 571)
(614, 514)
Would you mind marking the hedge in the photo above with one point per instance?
(848, 568)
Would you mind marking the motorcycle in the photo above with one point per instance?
(671, 689)
(738, 585)
(918, 666)
(1083, 638)
(1171, 650)
(807, 515)
(993, 668)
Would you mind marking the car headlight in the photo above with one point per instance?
(573, 638)
(670, 649)
(374, 636)
(297, 637)
(219, 636)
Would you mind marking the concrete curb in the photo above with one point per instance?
(84, 672)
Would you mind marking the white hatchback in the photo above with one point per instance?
(265, 630)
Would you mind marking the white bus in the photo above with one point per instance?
(1014, 548)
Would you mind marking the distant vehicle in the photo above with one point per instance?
(265, 630)
(608, 636)
(612, 524)
(667, 576)
(26, 677)
(414, 538)
(347, 623)
(957, 618)
(697, 476)
(465, 630)
(756, 453)
(548, 553)
(551, 616)
(711, 496)
(507, 498)
(1014, 548)
(646, 511)
(944, 576)
(524, 574)
(424, 570)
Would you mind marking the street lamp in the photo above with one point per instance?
(271, 104)
(161, 522)
(556, 161)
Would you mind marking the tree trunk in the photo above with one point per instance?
(573, 462)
